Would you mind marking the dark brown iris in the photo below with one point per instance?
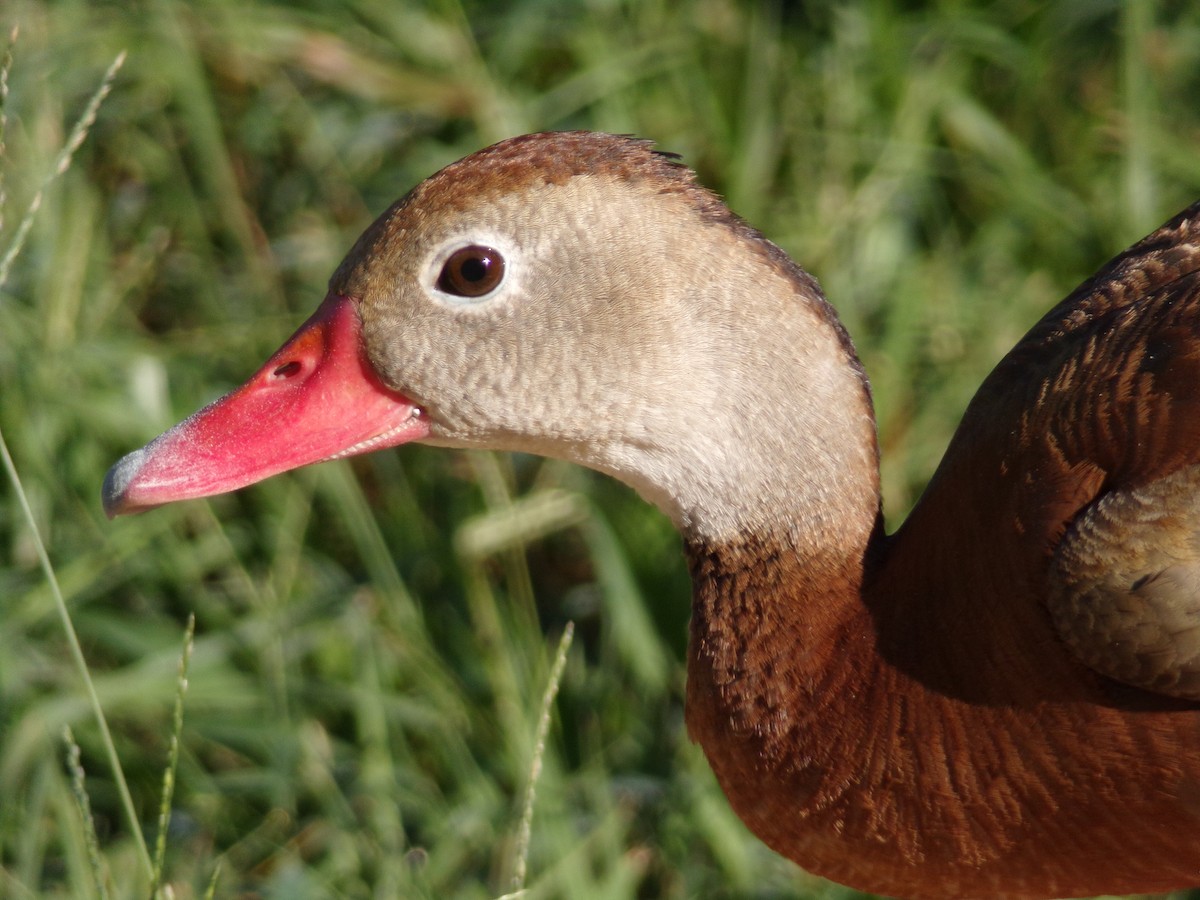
(472, 271)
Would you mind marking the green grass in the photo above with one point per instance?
(374, 638)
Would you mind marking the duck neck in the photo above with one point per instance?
(778, 539)
(778, 571)
(743, 413)
(767, 459)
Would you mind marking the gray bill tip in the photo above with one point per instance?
(117, 481)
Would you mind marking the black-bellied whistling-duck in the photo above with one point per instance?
(1000, 699)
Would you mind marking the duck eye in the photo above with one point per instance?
(472, 271)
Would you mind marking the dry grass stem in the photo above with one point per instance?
(525, 829)
(62, 162)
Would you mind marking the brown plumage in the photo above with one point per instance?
(1000, 699)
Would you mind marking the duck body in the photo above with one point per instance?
(1000, 699)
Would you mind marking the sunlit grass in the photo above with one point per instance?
(374, 639)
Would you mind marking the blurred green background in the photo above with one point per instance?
(374, 637)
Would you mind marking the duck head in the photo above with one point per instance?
(575, 295)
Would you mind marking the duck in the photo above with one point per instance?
(1001, 698)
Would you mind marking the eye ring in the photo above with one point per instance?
(472, 271)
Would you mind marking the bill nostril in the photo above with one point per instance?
(287, 370)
